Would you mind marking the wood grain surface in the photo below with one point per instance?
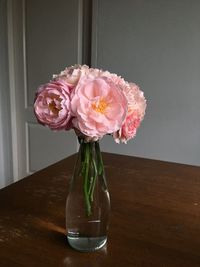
(155, 217)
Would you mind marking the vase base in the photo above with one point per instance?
(87, 244)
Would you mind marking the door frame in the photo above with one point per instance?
(17, 84)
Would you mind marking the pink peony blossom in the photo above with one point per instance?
(136, 99)
(128, 129)
(52, 105)
(71, 75)
(99, 107)
(118, 80)
(94, 73)
(136, 112)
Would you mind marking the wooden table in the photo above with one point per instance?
(155, 219)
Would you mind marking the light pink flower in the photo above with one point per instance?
(136, 112)
(99, 107)
(71, 75)
(52, 105)
(118, 80)
(136, 99)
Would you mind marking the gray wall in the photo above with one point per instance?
(155, 43)
(5, 136)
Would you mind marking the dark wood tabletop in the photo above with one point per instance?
(155, 217)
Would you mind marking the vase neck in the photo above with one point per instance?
(91, 148)
(82, 141)
(90, 155)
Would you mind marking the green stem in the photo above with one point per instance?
(100, 164)
(91, 195)
(99, 159)
(85, 175)
(91, 167)
(90, 185)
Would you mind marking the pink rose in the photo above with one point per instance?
(71, 75)
(128, 129)
(99, 107)
(136, 112)
(136, 99)
(118, 80)
(52, 105)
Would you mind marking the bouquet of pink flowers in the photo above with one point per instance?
(94, 103)
(91, 101)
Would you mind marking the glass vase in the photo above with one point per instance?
(88, 201)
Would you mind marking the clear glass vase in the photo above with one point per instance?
(88, 201)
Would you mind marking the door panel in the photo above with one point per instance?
(52, 36)
(52, 43)
(47, 37)
(50, 146)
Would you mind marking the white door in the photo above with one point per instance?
(44, 37)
